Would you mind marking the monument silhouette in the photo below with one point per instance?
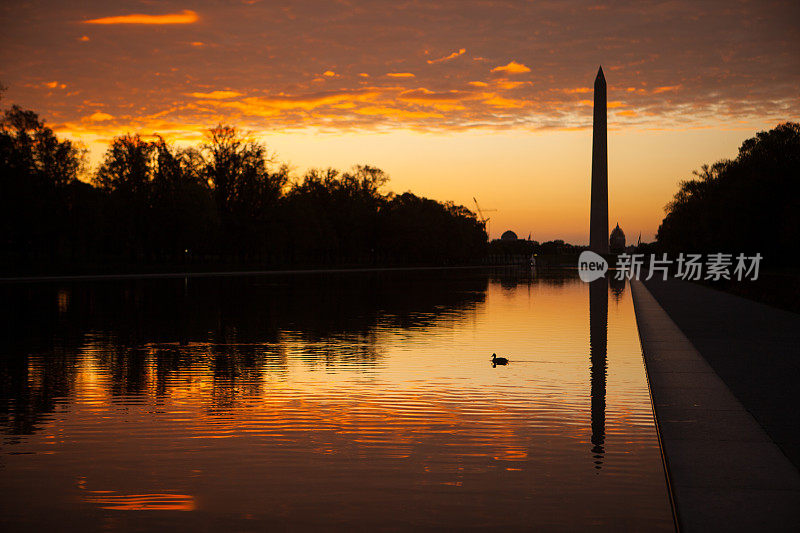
(598, 218)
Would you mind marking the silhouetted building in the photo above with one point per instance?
(508, 236)
(598, 219)
(616, 243)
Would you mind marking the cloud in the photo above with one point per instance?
(447, 58)
(185, 17)
(451, 100)
(55, 85)
(397, 113)
(512, 68)
(500, 101)
(273, 106)
(259, 64)
(424, 95)
(508, 85)
(99, 116)
(665, 89)
(216, 95)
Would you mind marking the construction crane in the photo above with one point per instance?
(481, 215)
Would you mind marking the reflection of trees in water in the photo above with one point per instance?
(235, 372)
(30, 384)
(148, 335)
(617, 286)
(511, 276)
(28, 389)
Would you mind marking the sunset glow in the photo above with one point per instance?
(454, 100)
(185, 17)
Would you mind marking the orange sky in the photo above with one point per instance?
(453, 99)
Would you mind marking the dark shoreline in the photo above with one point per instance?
(228, 273)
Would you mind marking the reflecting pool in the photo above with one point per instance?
(362, 400)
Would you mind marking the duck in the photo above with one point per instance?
(499, 360)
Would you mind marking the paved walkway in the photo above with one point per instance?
(753, 347)
(726, 473)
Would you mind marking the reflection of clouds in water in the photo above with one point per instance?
(140, 333)
(111, 501)
(114, 501)
(393, 398)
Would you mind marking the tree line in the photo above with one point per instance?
(750, 204)
(225, 201)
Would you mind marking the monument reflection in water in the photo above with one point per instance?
(362, 401)
(598, 344)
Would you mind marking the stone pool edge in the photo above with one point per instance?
(723, 471)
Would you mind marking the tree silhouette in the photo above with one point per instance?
(183, 210)
(747, 205)
(126, 175)
(36, 170)
(224, 202)
(245, 189)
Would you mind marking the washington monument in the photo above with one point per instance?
(598, 218)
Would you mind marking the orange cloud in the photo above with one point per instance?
(499, 101)
(422, 95)
(99, 116)
(185, 17)
(396, 113)
(512, 68)
(269, 107)
(447, 58)
(507, 85)
(443, 101)
(666, 88)
(647, 82)
(216, 95)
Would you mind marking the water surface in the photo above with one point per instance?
(360, 400)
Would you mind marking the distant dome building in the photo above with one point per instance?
(616, 242)
(508, 236)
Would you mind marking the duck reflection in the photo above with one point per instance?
(598, 342)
